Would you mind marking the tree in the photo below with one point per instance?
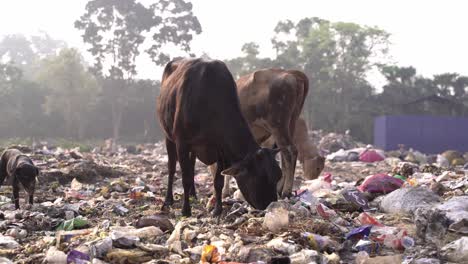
(26, 52)
(249, 62)
(72, 90)
(336, 57)
(16, 49)
(116, 30)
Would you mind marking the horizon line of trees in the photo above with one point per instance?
(48, 91)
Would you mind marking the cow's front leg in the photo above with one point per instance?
(16, 193)
(31, 191)
(193, 158)
(218, 188)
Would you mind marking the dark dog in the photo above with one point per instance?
(18, 168)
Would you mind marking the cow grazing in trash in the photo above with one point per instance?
(199, 111)
(313, 163)
(18, 169)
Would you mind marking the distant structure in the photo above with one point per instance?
(419, 128)
(429, 134)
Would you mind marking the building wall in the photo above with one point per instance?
(428, 134)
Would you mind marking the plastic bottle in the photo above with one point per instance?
(318, 184)
(276, 219)
(304, 256)
(361, 257)
(399, 241)
(54, 255)
(407, 242)
(308, 198)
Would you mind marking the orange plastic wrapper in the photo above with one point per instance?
(210, 255)
(366, 219)
(136, 195)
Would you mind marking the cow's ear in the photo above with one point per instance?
(235, 170)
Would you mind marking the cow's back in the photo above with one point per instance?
(265, 93)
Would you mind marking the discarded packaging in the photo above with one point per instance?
(75, 223)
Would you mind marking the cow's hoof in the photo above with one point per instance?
(186, 212)
(286, 195)
(193, 194)
(217, 211)
(167, 203)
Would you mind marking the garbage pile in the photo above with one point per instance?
(332, 142)
(105, 207)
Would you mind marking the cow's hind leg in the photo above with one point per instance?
(171, 164)
(187, 169)
(193, 158)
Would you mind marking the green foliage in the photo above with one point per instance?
(72, 91)
(337, 57)
(26, 52)
(46, 91)
(65, 101)
(115, 31)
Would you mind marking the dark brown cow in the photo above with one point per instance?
(199, 111)
(18, 169)
(271, 102)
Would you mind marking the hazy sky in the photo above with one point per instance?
(430, 35)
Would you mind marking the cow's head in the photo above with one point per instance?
(257, 176)
(313, 167)
(27, 175)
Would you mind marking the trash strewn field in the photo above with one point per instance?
(104, 207)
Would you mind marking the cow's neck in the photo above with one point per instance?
(238, 144)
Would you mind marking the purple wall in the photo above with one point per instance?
(428, 134)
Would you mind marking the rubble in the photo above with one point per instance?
(456, 251)
(105, 207)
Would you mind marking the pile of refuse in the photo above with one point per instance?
(105, 207)
(332, 142)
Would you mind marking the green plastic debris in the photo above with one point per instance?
(403, 178)
(75, 223)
